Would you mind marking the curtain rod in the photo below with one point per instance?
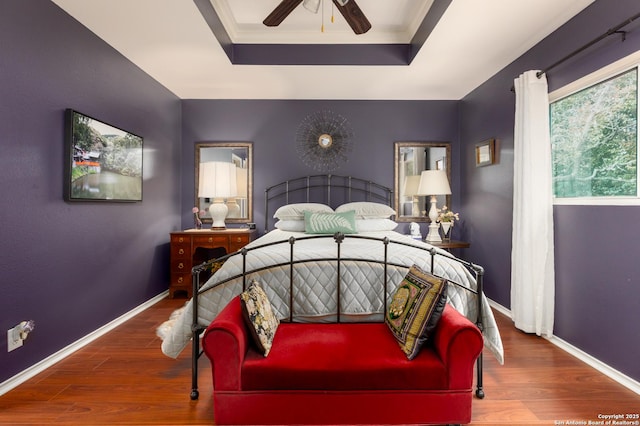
(611, 31)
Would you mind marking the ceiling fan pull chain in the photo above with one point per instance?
(333, 8)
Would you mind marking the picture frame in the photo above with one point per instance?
(485, 153)
(102, 162)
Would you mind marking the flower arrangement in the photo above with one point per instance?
(446, 215)
(196, 217)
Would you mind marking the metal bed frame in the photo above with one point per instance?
(339, 238)
(332, 190)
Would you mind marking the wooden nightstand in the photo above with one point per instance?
(185, 253)
(450, 244)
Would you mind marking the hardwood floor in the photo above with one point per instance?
(123, 378)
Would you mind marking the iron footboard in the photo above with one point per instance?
(197, 329)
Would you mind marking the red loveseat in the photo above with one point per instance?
(340, 373)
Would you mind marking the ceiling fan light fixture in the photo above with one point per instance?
(351, 13)
(312, 5)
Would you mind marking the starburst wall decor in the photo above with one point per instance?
(323, 141)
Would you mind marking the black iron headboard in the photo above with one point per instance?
(332, 190)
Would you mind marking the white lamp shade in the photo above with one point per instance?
(411, 184)
(241, 182)
(217, 180)
(434, 182)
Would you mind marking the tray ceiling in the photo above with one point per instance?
(173, 41)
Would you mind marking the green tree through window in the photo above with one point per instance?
(594, 140)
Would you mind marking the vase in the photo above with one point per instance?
(446, 230)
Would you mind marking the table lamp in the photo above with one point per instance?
(410, 189)
(433, 183)
(217, 181)
(233, 205)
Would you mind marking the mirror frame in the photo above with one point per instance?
(396, 181)
(249, 147)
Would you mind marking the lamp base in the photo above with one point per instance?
(234, 208)
(434, 235)
(218, 214)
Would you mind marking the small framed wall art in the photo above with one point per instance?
(485, 152)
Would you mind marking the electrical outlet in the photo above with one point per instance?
(13, 339)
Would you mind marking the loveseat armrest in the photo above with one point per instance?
(458, 342)
(225, 343)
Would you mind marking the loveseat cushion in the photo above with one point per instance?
(360, 356)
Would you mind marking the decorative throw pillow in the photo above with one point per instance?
(330, 223)
(259, 317)
(415, 309)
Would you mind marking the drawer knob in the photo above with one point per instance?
(210, 239)
(180, 280)
(181, 239)
(181, 251)
(180, 265)
(239, 239)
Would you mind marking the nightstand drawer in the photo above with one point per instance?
(180, 239)
(180, 280)
(180, 251)
(211, 241)
(181, 265)
(239, 239)
(180, 283)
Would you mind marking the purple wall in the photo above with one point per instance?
(272, 124)
(74, 267)
(597, 286)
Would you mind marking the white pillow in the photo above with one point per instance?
(373, 225)
(368, 210)
(296, 211)
(290, 225)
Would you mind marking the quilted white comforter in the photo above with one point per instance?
(315, 296)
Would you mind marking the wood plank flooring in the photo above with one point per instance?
(124, 379)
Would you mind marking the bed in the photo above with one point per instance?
(331, 276)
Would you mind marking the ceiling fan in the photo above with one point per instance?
(348, 8)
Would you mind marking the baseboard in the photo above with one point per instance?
(39, 367)
(498, 307)
(603, 368)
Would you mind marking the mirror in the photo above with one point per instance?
(410, 159)
(241, 155)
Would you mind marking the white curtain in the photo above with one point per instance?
(532, 256)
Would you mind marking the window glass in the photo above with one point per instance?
(594, 140)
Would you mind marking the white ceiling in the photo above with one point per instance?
(170, 40)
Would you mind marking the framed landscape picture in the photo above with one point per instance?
(102, 162)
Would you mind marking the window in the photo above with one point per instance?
(594, 139)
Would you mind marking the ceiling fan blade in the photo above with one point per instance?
(354, 16)
(281, 11)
